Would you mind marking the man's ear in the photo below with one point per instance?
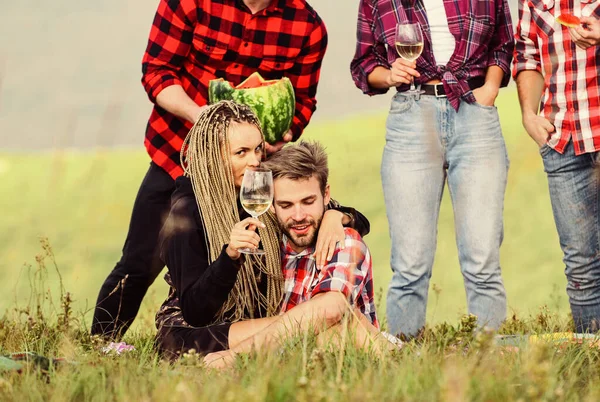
(327, 195)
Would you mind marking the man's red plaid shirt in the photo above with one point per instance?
(571, 98)
(348, 272)
(194, 41)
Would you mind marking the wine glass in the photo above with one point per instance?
(409, 45)
(256, 196)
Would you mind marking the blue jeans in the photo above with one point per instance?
(574, 183)
(428, 141)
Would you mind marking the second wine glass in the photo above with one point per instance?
(409, 45)
(256, 196)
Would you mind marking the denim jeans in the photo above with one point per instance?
(428, 141)
(574, 182)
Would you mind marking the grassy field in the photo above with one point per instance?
(81, 201)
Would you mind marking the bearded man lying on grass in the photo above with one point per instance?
(315, 299)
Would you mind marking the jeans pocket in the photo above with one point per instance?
(484, 107)
(401, 103)
(544, 149)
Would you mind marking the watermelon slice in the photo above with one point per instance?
(273, 101)
(568, 20)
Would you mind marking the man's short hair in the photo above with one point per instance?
(300, 161)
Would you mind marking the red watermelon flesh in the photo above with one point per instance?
(568, 20)
(255, 81)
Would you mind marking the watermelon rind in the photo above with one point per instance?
(274, 104)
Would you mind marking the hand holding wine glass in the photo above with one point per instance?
(409, 45)
(256, 196)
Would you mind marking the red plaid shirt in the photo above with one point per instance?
(482, 29)
(571, 99)
(194, 41)
(348, 272)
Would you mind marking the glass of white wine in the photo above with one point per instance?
(409, 45)
(256, 196)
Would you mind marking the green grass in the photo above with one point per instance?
(82, 201)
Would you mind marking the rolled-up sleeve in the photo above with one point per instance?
(527, 53)
(503, 43)
(169, 43)
(369, 53)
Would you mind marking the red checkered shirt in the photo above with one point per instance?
(194, 41)
(348, 272)
(571, 99)
(482, 30)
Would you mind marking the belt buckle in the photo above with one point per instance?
(435, 91)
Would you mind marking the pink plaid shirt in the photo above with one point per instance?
(571, 99)
(348, 272)
(482, 30)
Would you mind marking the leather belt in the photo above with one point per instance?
(438, 90)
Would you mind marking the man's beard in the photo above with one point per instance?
(302, 240)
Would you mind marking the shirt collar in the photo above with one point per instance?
(275, 7)
(288, 251)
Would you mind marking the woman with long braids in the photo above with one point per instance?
(211, 283)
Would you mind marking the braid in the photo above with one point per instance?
(205, 160)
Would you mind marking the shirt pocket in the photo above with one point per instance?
(211, 50)
(542, 14)
(478, 27)
(274, 67)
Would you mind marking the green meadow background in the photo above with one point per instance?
(81, 201)
(72, 117)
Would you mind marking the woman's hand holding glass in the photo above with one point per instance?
(243, 236)
(402, 72)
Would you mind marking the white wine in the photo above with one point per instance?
(256, 206)
(409, 52)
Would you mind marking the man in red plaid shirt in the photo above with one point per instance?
(300, 175)
(192, 42)
(301, 194)
(559, 66)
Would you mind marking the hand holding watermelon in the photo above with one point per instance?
(273, 102)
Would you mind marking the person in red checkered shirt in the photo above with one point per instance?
(192, 42)
(559, 68)
(315, 298)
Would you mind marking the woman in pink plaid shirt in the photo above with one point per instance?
(451, 131)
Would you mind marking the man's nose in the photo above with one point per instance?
(299, 214)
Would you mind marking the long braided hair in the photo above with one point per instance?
(206, 161)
